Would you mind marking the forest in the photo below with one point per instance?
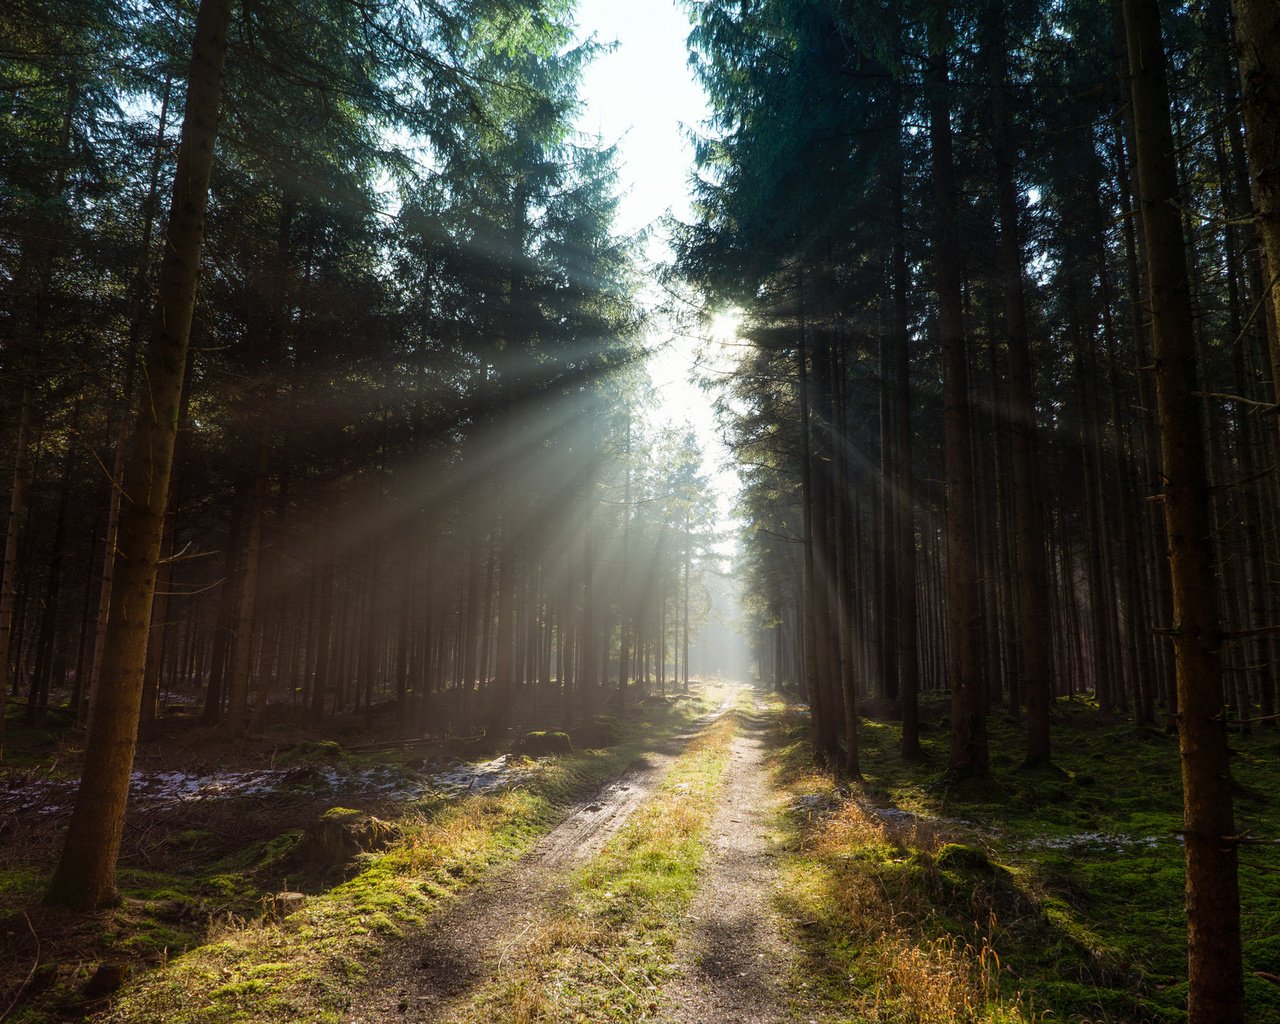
(361, 609)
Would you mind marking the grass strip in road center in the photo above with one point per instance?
(606, 955)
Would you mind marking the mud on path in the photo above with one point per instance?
(733, 963)
(430, 974)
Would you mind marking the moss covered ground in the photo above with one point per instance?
(1047, 895)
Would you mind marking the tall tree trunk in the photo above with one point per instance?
(1141, 670)
(684, 627)
(9, 569)
(105, 586)
(42, 673)
(1134, 242)
(968, 749)
(85, 875)
(319, 639)
(1034, 628)
(1215, 982)
(587, 672)
(1248, 443)
(624, 598)
(240, 658)
(504, 661)
(137, 324)
(816, 619)
(224, 623)
(159, 632)
(886, 537)
(842, 599)
(907, 612)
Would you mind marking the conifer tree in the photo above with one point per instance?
(85, 877)
(1215, 984)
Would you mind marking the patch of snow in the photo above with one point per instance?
(462, 778)
(180, 699)
(897, 816)
(164, 790)
(1101, 842)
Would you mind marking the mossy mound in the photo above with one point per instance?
(337, 837)
(964, 860)
(542, 742)
(657, 707)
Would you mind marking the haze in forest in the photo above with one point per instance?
(640, 95)
(753, 509)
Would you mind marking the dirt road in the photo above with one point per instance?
(733, 961)
(732, 964)
(427, 977)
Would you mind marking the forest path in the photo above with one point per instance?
(430, 975)
(733, 963)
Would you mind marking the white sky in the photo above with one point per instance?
(642, 97)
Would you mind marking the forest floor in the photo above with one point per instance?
(699, 870)
(1031, 896)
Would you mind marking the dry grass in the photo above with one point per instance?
(867, 887)
(940, 981)
(301, 968)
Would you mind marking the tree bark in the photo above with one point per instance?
(42, 670)
(9, 569)
(843, 594)
(1258, 52)
(816, 618)
(904, 484)
(240, 658)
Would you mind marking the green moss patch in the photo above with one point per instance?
(543, 742)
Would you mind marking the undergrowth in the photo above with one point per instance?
(1047, 895)
(607, 954)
